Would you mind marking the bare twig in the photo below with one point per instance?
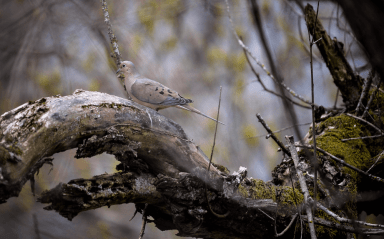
(314, 159)
(259, 28)
(303, 185)
(286, 229)
(210, 162)
(377, 87)
(366, 88)
(281, 145)
(300, 15)
(337, 97)
(346, 228)
(370, 100)
(241, 43)
(111, 35)
(214, 138)
(344, 163)
(368, 123)
(364, 137)
(341, 71)
(377, 160)
(345, 220)
(268, 90)
(134, 214)
(144, 222)
(278, 131)
(296, 203)
(266, 214)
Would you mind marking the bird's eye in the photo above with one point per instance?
(124, 65)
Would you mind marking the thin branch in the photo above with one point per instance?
(364, 137)
(341, 71)
(314, 159)
(296, 203)
(366, 88)
(370, 100)
(241, 43)
(144, 222)
(286, 229)
(278, 131)
(344, 220)
(266, 214)
(302, 38)
(112, 37)
(300, 15)
(368, 123)
(210, 162)
(346, 228)
(344, 163)
(268, 90)
(377, 160)
(303, 185)
(214, 138)
(263, 37)
(281, 145)
(134, 214)
(337, 96)
(377, 87)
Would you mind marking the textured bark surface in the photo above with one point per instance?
(349, 84)
(104, 123)
(366, 21)
(159, 166)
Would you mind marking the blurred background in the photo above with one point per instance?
(51, 47)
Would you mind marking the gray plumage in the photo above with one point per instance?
(151, 93)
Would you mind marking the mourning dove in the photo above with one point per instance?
(151, 93)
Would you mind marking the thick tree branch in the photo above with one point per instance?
(159, 166)
(350, 85)
(37, 130)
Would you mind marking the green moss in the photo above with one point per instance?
(320, 230)
(4, 155)
(16, 150)
(262, 190)
(377, 102)
(243, 191)
(353, 152)
(221, 168)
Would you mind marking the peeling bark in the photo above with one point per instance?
(349, 84)
(37, 130)
(159, 166)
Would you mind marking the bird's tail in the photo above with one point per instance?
(190, 108)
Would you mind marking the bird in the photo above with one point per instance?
(151, 93)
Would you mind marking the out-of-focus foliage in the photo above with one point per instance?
(51, 47)
(249, 132)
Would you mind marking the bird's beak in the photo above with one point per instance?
(118, 70)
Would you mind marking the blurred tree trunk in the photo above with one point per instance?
(366, 20)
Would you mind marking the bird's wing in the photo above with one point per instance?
(153, 92)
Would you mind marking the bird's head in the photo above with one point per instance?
(126, 69)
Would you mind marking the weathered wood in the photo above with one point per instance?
(159, 166)
(349, 84)
(37, 130)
